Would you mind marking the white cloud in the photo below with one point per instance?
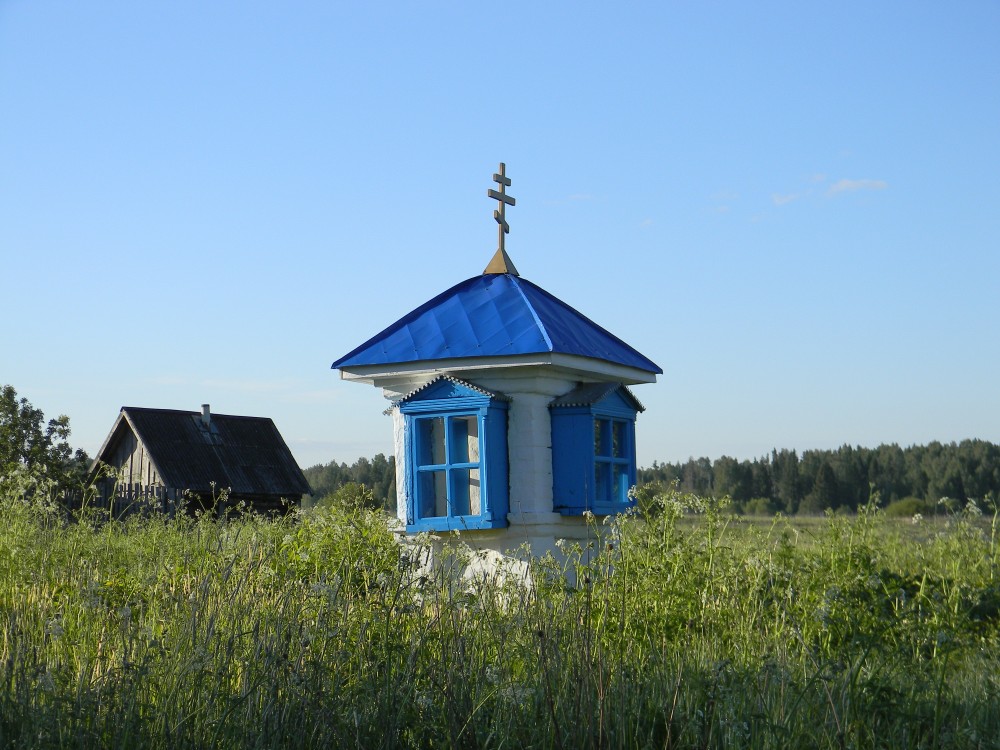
(781, 200)
(850, 186)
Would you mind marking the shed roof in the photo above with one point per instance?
(493, 315)
(244, 454)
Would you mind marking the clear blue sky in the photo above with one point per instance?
(793, 208)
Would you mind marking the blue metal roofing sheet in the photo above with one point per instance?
(493, 315)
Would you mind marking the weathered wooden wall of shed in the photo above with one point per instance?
(136, 484)
(132, 461)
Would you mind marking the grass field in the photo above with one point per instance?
(686, 628)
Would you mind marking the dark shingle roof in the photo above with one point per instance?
(245, 454)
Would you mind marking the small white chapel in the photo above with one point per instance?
(513, 415)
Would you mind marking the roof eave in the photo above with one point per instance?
(574, 366)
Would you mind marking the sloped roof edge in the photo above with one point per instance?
(457, 381)
(247, 454)
(588, 394)
(493, 315)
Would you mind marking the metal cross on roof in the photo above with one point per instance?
(504, 199)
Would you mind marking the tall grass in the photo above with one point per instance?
(320, 630)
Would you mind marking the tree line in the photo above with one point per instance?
(378, 475)
(844, 478)
(817, 480)
(913, 478)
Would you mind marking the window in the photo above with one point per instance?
(456, 472)
(612, 460)
(447, 467)
(593, 449)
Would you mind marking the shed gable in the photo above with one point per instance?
(175, 451)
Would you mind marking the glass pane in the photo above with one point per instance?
(475, 506)
(473, 440)
(621, 491)
(602, 478)
(618, 439)
(601, 437)
(430, 441)
(464, 440)
(432, 497)
(460, 492)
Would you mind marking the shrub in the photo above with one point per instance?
(908, 507)
(759, 506)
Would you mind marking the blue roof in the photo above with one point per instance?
(493, 315)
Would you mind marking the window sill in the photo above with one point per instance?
(457, 523)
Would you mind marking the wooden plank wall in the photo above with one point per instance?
(138, 487)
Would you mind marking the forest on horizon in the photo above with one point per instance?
(906, 481)
(913, 479)
(916, 477)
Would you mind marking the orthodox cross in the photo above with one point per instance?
(505, 200)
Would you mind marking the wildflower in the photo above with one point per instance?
(319, 589)
(46, 683)
(972, 509)
(917, 518)
(424, 701)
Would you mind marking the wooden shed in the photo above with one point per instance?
(163, 456)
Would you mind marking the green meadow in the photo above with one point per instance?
(678, 627)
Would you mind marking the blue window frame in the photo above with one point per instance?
(456, 446)
(593, 449)
(614, 469)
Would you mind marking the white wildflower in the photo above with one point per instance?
(46, 683)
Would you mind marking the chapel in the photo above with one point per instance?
(513, 413)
